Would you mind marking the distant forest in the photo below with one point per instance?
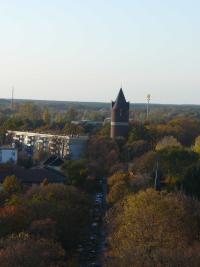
(158, 112)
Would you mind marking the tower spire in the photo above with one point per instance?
(120, 116)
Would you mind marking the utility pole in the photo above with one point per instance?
(157, 178)
(148, 102)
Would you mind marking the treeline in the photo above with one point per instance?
(29, 117)
(55, 115)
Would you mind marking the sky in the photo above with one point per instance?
(84, 50)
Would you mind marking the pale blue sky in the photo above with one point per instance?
(84, 49)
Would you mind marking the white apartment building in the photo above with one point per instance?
(8, 155)
(64, 146)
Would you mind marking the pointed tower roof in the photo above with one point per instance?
(120, 101)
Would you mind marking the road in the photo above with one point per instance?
(91, 252)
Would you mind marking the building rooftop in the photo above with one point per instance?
(120, 101)
(84, 137)
(31, 176)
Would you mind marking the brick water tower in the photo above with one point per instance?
(120, 117)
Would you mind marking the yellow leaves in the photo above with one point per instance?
(171, 180)
(151, 225)
(196, 147)
(12, 185)
(166, 142)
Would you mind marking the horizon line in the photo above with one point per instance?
(99, 102)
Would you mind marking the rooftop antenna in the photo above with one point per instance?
(12, 99)
(148, 102)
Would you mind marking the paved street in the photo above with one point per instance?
(92, 249)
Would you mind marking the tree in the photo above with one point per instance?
(59, 119)
(71, 114)
(184, 129)
(187, 129)
(65, 205)
(12, 185)
(46, 116)
(45, 228)
(174, 162)
(119, 186)
(76, 171)
(25, 160)
(102, 154)
(154, 229)
(105, 130)
(145, 163)
(166, 142)
(73, 129)
(14, 219)
(40, 155)
(29, 111)
(135, 149)
(23, 251)
(196, 146)
(191, 181)
(122, 184)
(3, 197)
(138, 131)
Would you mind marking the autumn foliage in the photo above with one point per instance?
(154, 229)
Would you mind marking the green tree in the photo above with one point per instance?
(174, 162)
(105, 130)
(138, 131)
(76, 171)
